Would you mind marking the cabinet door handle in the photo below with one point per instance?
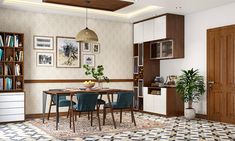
(211, 82)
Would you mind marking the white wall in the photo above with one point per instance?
(196, 25)
(116, 49)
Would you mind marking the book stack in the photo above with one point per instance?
(8, 70)
(17, 70)
(1, 41)
(8, 83)
(9, 41)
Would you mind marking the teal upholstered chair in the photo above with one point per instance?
(63, 102)
(87, 102)
(124, 101)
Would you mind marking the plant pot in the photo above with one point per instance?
(190, 113)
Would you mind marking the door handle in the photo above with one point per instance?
(211, 82)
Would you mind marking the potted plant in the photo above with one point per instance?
(190, 86)
(97, 73)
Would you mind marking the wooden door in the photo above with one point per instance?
(221, 74)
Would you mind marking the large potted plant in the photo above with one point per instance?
(190, 86)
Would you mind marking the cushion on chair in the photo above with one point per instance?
(100, 101)
(65, 103)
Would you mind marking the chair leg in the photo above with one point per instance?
(70, 117)
(120, 115)
(79, 115)
(98, 115)
(88, 115)
(91, 117)
(49, 112)
(104, 115)
(132, 116)
(76, 114)
(73, 121)
(68, 113)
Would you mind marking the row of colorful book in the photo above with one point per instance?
(1, 54)
(10, 41)
(19, 56)
(8, 84)
(8, 70)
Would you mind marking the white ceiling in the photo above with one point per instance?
(141, 9)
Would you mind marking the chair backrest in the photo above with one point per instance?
(61, 97)
(86, 101)
(125, 99)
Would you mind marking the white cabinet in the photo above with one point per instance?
(160, 28)
(155, 103)
(138, 32)
(149, 30)
(12, 107)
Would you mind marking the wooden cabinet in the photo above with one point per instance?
(162, 50)
(166, 103)
(160, 28)
(148, 30)
(138, 33)
(12, 107)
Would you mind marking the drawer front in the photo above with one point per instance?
(9, 118)
(11, 97)
(13, 111)
(4, 105)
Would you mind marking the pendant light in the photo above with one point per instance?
(86, 35)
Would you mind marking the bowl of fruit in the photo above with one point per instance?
(89, 84)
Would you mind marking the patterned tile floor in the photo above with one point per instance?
(178, 129)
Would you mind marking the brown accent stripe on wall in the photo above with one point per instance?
(73, 80)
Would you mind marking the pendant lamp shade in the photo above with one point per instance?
(86, 35)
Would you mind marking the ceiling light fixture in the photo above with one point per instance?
(87, 35)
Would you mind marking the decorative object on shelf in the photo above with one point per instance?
(86, 35)
(158, 81)
(89, 59)
(190, 86)
(68, 53)
(43, 42)
(45, 59)
(86, 47)
(171, 80)
(97, 73)
(96, 48)
(89, 84)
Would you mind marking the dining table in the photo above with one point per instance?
(73, 91)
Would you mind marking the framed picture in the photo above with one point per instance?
(96, 48)
(43, 42)
(89, 59)
(45, 59)
(86, 47)
(68, 52)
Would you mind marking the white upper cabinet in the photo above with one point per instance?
(138, 33)
(160, 28)
(149, 30)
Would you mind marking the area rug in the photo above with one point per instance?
(84, 129)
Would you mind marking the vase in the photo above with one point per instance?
(100, 84)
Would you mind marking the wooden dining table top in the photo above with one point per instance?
(77, 90)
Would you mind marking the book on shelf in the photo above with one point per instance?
(8, 83)
(1, 83)
(17, 69)
(9, 41)
(1, 54)
(1, 41)
(16, 40)
(21, 56)
(8, 70)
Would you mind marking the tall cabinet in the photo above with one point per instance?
(12, 97)
(155, 39)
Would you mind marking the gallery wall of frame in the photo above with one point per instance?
(69, 53)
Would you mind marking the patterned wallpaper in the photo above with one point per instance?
(116, 50)
(115, 39)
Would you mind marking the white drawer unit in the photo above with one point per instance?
(12, 107)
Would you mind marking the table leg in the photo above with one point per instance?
(44, 102)
(57, 111)
(111, 110)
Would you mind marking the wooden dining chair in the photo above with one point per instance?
(63, 102)
(124, 101)
(87, 102)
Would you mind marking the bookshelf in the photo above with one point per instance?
(11, 62)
